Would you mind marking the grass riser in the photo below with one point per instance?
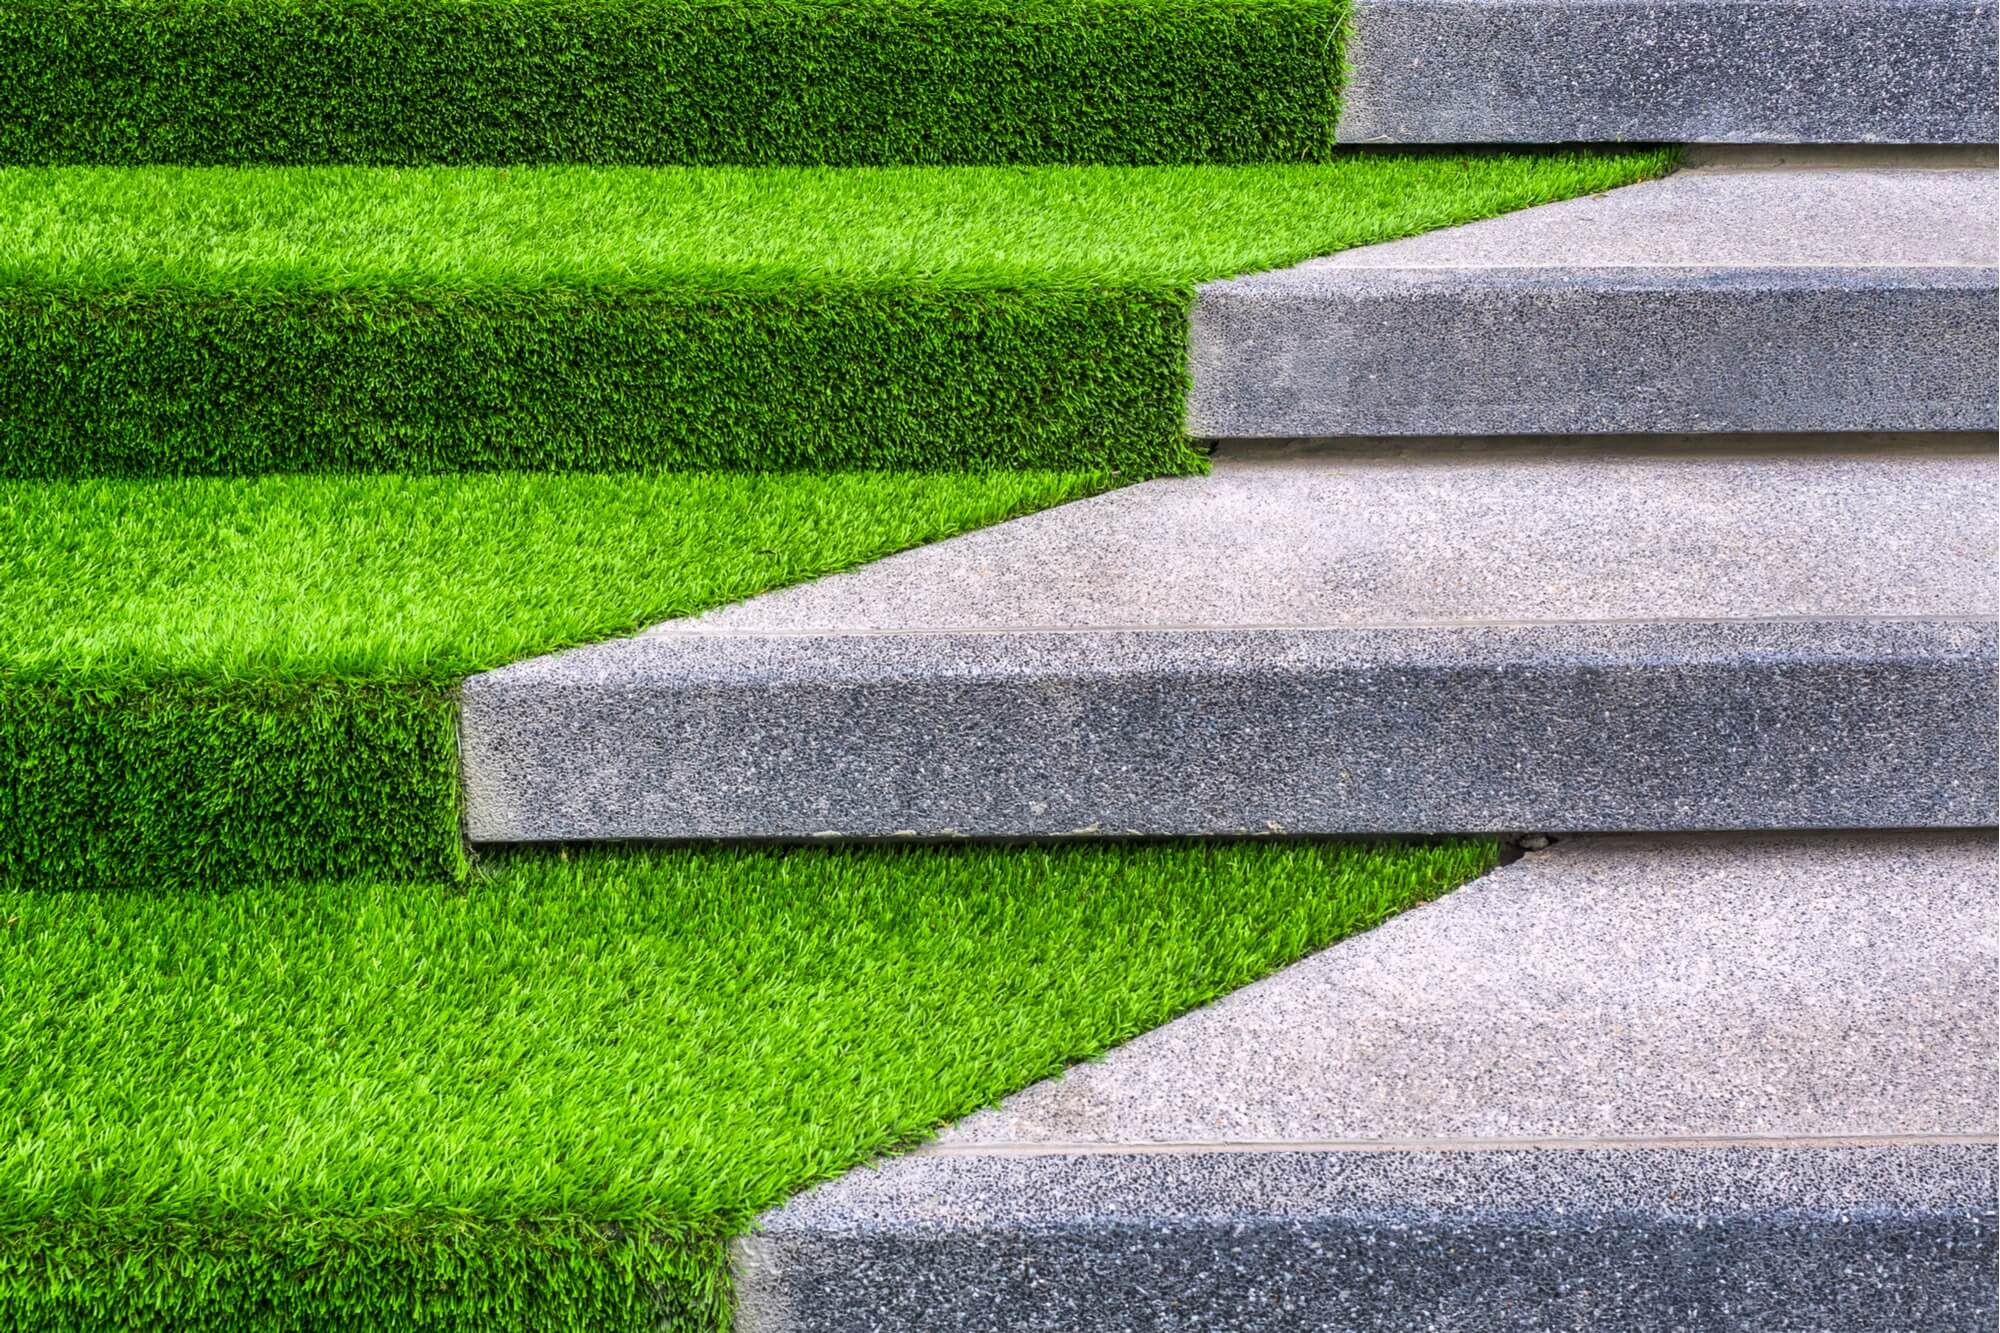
(228, 82)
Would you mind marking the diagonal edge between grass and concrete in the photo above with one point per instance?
(1538, 636)
(546, 1102)
(764, 82)
(164, 321)
(1822, 297)
(1744, 1081)
(212, 680)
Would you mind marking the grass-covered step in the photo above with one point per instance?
(182, 321)
(210, 679)
(544, 1101)
(747, 82)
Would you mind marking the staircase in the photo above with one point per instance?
(1664, 510)
(1646, 533)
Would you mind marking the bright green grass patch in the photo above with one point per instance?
(543, 1101)
(205, 680)
(171, 321)
(750, 82)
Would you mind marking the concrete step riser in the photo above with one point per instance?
(1864, 1240)
(1217, 733)
(1672, 71)
(1561, 353)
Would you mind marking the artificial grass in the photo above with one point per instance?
(174, 321)
(209, 680)
(542, 1102)
(748, 82)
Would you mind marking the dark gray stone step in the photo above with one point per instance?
(1771, 298)
(1422, 641)
(1722, 1083)
(1672, 71)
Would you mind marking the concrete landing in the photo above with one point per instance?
(1720, 299)
(1636, 1083)
(1548, 637)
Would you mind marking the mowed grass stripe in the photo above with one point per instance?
(543, 1101)
(211, 680)
(660, 82)
(174, 321)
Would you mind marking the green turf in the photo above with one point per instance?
(541, 1102)
(211, 679)
(748, 82)
(178, 321)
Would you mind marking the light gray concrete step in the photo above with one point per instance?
(1722, 298)
(1671, 71)
(1638, 1083)
(1504, 638)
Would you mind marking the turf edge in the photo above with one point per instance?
(385, 1275)
(833, 82)
(166, 383)
(172, 783)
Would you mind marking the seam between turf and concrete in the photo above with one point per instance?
(673, 630)
(1086, 1148)
(1826, 157)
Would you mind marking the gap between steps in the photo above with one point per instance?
(1907, 157)
(1242, 454)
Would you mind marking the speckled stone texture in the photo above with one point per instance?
(1671, 71)
(1776, 985)
(1718, 299)
(1741, 1083)
(1759, 1240)
(1569, 640)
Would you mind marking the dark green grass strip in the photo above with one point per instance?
(457, 381)
(748, 82)
(176, 322)
(211, 680)
(541, 1102)
(167, 782)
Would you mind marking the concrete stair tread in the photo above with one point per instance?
(1753, 298)
(1521, 533)
(1614, 1071)
(1720, 217)
(1564, 638)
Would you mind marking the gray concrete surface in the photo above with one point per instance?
(1387, 534)
(1636, 1083)
(1758, 1240)
(1717, 299)
(1788, 986)
(1673, 71)
(1462, 641)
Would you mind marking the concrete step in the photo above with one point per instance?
(1737, 1083)
(1535, 636)
(1671, 71)
(1721, 298)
